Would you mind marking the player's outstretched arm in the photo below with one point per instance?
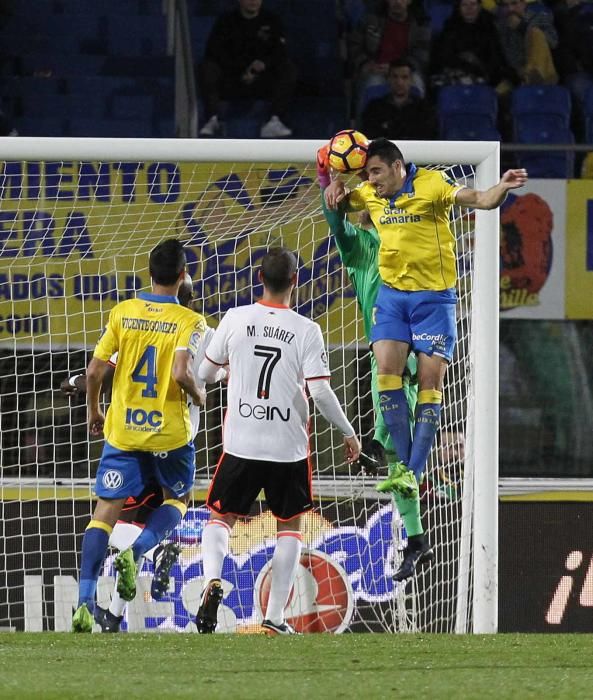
(329, 407)
(495, 196)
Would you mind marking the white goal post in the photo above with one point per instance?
(480, 494)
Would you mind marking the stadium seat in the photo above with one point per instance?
(137, 36)
(475, 131)
(200, 28)
(588, 106)
(558, 164)
(62, 64)
(132, 106)
(46, 126)
(548, 102)
(374, 92)
(439, 11)
(117, 128)
(317, 117)
(460, 101)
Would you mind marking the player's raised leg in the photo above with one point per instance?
(174, 470)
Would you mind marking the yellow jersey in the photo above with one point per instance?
(417, 250)
(148, 408)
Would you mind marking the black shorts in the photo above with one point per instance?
(238, 481)
(136, 509)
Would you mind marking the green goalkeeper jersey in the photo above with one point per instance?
(359, 249)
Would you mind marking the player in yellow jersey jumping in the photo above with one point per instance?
(415, 306)
(147, 429)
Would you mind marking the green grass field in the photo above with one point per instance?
(358, 666)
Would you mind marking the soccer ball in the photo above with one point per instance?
(348, 151)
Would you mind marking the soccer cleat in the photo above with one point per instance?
(424, 554)
(283, 628)
(372, 458)
(274, 129)
(126, 567)
(212, 595)
(401, 480)
(165, 557)
(211, 128)
(82, 620)
(107, 620)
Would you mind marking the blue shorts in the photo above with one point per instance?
(122, 473)
(425, 320)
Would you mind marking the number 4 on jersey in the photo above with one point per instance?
(148, 359)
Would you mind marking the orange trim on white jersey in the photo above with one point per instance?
(290, 533)
(218, 364)
(313, 379)
(271, 303)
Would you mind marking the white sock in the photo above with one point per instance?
(215, 545)
(284, 567)
(150, 554)
(117, 605)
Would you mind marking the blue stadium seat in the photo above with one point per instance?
(354, 12)
(558, 164)
(116, 128)
(62, 65)
(243, 118)
(475, 131)
(551, 101)
(588, 106)
(200, 28)
(439, 11)
(374, 92)
(458, 101)
(41, 126)
(318, 117)
(132, 106)
(137, 35)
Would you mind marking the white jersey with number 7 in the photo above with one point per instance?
(271, 352)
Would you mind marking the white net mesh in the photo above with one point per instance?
(74, 240)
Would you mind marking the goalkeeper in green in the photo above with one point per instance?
(358, 247)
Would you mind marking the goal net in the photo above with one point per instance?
(77, 222)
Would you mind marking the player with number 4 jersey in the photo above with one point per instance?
(147, 428)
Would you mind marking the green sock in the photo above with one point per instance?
(409, 509)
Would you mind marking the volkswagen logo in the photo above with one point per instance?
(112, 479)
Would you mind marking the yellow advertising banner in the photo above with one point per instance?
(75, 239)
(579, 249)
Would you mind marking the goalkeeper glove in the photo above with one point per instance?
(323, 177)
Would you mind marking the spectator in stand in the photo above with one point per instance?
(246, 57)
(574, 56)
(468, 50)
(445, 475)
(528, 36)
(399, 30)
(401, 114)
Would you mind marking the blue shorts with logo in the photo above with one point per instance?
(123, 473)
(426, 320)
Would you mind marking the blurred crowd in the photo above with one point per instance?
(398, 56)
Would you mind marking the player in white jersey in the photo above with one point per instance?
(136, 509)
(273, 354)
